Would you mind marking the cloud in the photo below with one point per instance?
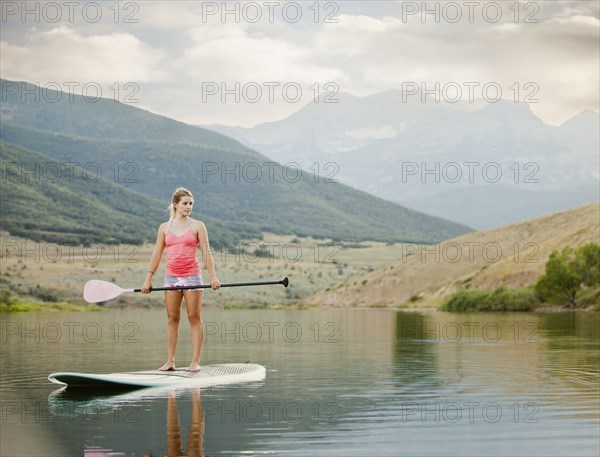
(231, 52)
(371, 48)
(64, 54)
(558, 56)
(356, 35)
(271, 76)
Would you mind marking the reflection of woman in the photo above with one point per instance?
(174, 441)
(181, 236)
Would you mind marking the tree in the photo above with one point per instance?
(587, 264)
(566, 272)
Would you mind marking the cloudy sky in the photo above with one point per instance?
(243, 63)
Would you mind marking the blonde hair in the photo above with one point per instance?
(177, 195)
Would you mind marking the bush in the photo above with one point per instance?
(6, 297)
(466, 300)
(500, 299)
(46, 294)
(505, 299)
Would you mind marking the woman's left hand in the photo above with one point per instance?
(215, 283)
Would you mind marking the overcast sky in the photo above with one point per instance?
(191, 60)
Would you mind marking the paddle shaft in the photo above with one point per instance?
(283, 282)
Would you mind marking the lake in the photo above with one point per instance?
(360, 382)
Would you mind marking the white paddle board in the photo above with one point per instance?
(209, 375)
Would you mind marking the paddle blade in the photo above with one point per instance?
(96, 291)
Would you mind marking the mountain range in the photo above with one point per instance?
(128, 161)
(482, 165)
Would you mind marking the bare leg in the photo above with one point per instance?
(173, 305)
(196, 427)
(174, 445)
(193, 306)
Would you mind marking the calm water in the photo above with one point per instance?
(338, 382)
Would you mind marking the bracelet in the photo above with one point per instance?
(150, 271)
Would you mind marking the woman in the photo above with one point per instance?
(182, 235)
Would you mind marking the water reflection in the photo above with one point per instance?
(415, 360)
(83, 406)
(196, 428)
(529, 366)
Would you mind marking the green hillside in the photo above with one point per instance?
(68, 209)
(222, 174)
(72, 207)
(28, 105)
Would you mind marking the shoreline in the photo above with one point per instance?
(71, 307)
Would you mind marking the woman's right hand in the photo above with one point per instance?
(146, 287)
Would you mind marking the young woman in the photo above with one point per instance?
(181, 236)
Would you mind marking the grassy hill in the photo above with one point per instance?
(29, 106)
(65, 205)
(127, 146)
(513, 255)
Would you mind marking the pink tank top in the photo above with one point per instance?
(181, 253)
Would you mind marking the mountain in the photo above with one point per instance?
(492, 205)
(30, 106)
(407, 151)
(42, 199)
(513, 255)
(243, 191)
(67, 211)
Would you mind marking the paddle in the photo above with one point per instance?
(96, 291)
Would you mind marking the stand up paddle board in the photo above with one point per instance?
(209, 375)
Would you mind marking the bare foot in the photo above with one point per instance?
(194, 367)
(169, 366)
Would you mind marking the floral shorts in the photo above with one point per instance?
(175, 281)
